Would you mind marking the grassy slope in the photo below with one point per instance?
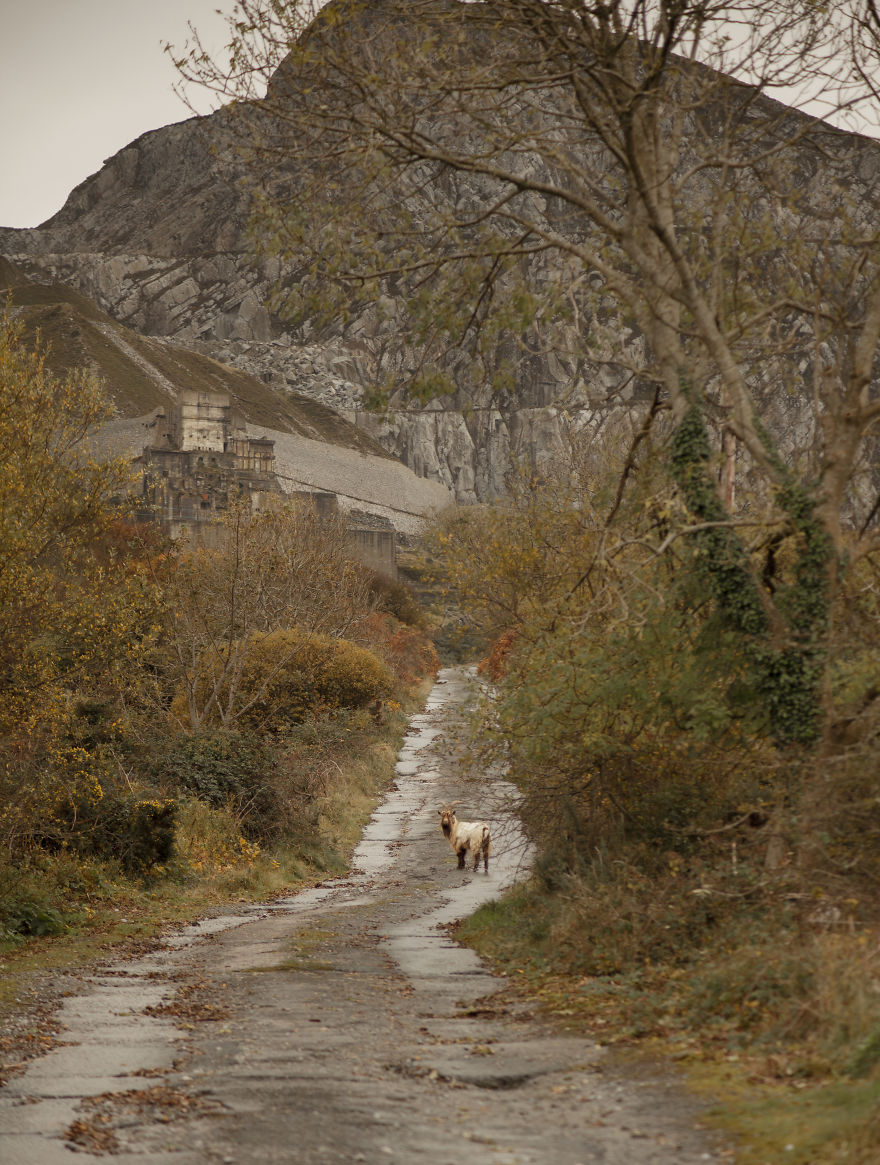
(78, 334)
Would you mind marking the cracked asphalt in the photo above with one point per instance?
(343, 1024)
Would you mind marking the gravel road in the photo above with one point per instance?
(344, 1025)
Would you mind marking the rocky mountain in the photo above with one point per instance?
(158, 239)
(315, 447)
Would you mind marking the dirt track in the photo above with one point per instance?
(342, 1025)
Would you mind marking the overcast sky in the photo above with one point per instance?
(79, 80)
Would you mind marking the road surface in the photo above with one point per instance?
(344, 1025)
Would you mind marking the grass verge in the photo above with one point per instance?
(81, 910)
(777, 1025)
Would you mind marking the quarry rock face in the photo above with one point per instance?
(145, 378)
(158, 238)
(217, 305)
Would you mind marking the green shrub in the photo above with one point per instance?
(26, 918)
(137, 832)
(225, 769)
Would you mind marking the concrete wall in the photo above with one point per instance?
(376, 549)
(200, 421)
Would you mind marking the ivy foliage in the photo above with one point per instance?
(784, 634)
(723, 559)
(226, 769)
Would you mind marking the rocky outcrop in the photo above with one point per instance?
(158, 240)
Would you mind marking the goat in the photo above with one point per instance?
(466, 835)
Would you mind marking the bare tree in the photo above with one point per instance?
(614, 181)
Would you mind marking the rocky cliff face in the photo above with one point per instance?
(315, 447)
(217, 305)
(158, 239)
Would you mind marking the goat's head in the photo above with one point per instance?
(447, 817)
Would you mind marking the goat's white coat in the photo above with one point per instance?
(464, 836)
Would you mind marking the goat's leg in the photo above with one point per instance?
(461, 856)
(485, 859)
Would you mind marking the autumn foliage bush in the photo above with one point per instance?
(287, 676)
(494, 665)
(406, 649)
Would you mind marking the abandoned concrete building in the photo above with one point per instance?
(200, 459)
